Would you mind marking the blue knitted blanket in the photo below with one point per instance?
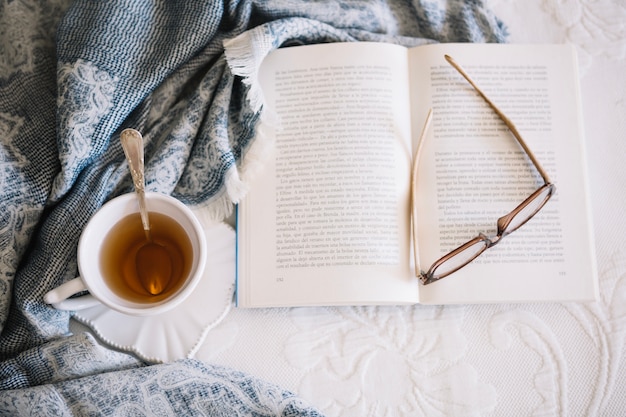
(72, 76)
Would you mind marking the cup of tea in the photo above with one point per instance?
(108, 258)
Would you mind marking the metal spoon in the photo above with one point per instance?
(153, 262)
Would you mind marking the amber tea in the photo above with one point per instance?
(119, 250)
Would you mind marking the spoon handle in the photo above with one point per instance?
(132, 143)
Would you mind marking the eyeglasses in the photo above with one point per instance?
(466, 253)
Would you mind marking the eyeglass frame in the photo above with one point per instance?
(502, 222)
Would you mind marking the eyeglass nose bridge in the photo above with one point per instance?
(493, 240)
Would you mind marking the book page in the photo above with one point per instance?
(327, 221)
(473, 171)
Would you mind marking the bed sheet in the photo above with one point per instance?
(506, 359)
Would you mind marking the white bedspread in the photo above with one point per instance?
(504, 360)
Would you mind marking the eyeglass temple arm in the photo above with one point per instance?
(414, 170)
(504, 118)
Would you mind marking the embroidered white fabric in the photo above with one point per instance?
(481, 360)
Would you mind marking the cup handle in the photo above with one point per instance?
(59, 297)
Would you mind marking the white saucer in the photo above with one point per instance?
(178, 333)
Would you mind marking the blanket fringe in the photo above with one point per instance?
(244, 55)
(238, 178)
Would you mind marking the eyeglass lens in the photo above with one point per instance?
(458, 258)
(528, 209)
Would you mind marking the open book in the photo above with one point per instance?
(328, 221)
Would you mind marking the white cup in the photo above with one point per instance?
(90, 245)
